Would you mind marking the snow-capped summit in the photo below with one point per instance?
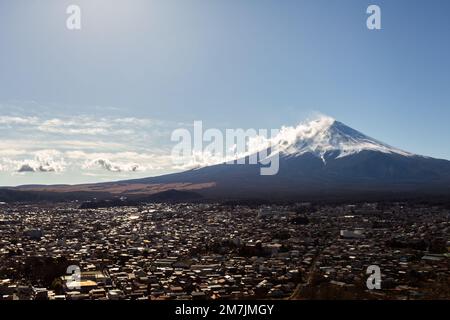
(325, 137)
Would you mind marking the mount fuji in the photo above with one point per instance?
(321, 159)
(328, 138)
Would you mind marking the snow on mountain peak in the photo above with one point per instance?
(325, 137)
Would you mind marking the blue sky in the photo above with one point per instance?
(151, 66)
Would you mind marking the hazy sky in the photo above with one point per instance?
(100, 103)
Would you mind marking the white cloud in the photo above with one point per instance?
(44, 161)
(123, 160)
(12, 120)
(74, 126)
(87, 125)
(111, 166)
(11, 152)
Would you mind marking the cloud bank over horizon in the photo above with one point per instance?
(41, 147)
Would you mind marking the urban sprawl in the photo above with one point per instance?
(217, 251)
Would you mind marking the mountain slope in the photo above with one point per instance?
(320, 159)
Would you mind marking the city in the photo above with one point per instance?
(186, 251)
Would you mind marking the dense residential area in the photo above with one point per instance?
(218, 251)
